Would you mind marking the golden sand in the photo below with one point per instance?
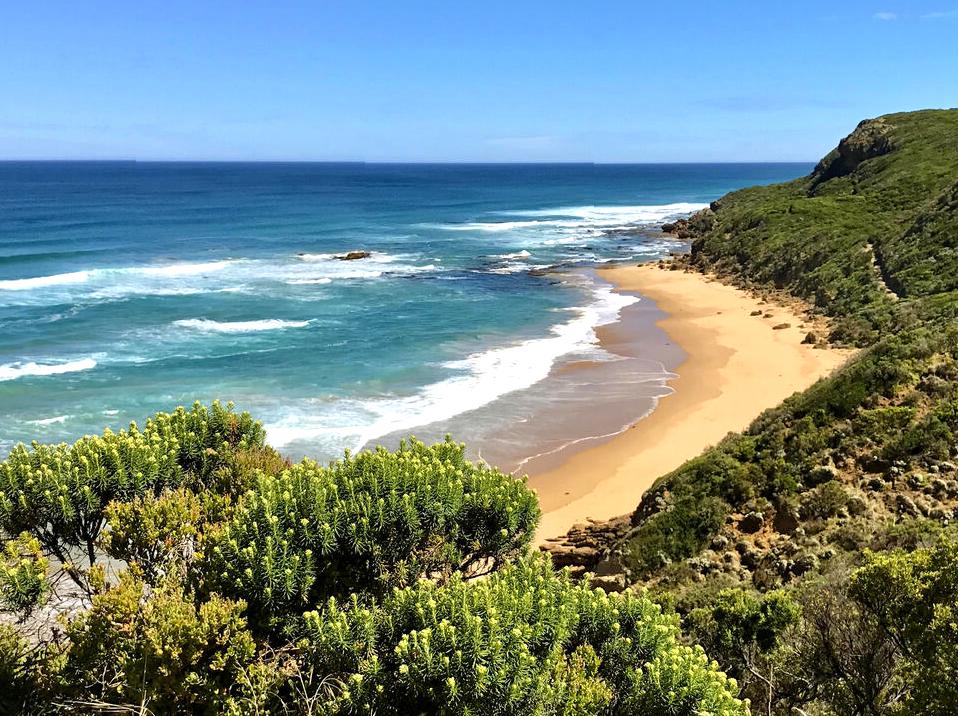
(737, 365)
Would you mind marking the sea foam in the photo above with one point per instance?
(26, 284)
(268, 324)
(478, 379)
(579, 218)
(12, 371)
(192, 278)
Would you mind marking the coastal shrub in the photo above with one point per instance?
(525, 640)
(870, 247)
(58, 493)
(383, 547)
(158, 647)
(366, 523)
(737, 627)
(914, 598)
(673, 534)
(24, 688)
(933, 435)
(153, 532)
(23, 576)
(826, 500)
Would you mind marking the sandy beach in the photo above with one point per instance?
(737, 365)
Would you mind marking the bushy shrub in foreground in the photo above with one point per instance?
(526, 640)
(160, 648)
(23, 576)
(367, 523)
(58, 493)
(914, 599)
(410, 566)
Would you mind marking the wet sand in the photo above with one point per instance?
(735, 366)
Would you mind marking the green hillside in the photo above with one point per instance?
(760, 542)
(874, 221)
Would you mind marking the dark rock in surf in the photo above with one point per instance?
(353, 255)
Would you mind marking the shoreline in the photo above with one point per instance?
(735, 366)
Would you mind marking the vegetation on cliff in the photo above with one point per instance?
(864, 460)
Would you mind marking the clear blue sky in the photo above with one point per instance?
(460, 80)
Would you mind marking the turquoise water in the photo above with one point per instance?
(127, 288)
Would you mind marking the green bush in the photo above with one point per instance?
(156, 647)
(58, 493)
(826, 500)
(367, 523)
(403, 558)
(525, 640)
(24, 689)
(153, 532)
(675, 533)
(23, 576)
(914, 597)
(738, 623)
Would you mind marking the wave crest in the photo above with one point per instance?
(12, 371)
(479, 379)
(268, 324)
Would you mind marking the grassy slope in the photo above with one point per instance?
(866, 457)
(816, 238)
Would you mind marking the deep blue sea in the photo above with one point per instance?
(127, 288)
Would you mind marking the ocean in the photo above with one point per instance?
(128, 288)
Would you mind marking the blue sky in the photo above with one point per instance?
(463, 81)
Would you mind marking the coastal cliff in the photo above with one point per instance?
(862, 465)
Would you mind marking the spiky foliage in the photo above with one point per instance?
(366, 523)
(58, 493)
(156, 648)
(526, 640)
(154, 531)
(23, 576)
(385, 547)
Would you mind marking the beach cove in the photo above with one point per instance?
(741, 359)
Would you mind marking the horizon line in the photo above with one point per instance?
(401, 162)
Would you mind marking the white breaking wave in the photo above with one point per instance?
(307, 281)
(510, 267)
(25, 284)
(51, 421)
(268, 324)
(185, 279)
(182, 269)
(311, 258)
(326, 268)
(620, 214)
(12, 371)
(517, 255)
(479, 379)
(62, 279)
(581, 218)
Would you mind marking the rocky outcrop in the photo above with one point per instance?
(701, 222)
(584, 546)
(871, 138)
(353, 255)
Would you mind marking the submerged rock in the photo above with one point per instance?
(353, 255)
